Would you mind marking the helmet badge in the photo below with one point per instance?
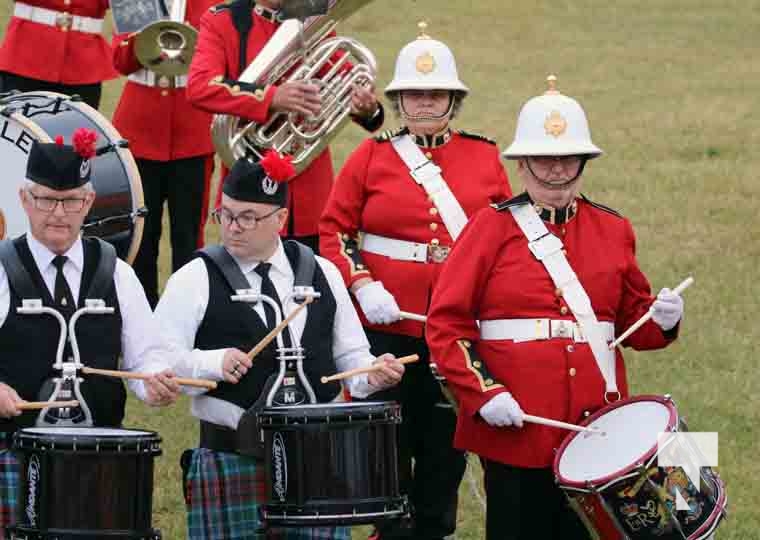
(425, 63)
(555, 124)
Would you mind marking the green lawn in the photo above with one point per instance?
(671, 90)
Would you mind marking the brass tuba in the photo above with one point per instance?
(167, 47)
(299, 51)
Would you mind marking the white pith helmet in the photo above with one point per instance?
(552, 124)
(425, 64)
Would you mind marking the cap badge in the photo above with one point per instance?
(84, 168)
(269, 186)
(555, 124)
(425, 63)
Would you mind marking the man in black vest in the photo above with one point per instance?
(55, 264)
(223, 487)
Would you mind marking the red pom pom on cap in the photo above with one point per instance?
(83, 142)
(278, 168)
(59, 140)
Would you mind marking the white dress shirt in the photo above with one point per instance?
(142, 347)
(183, 306)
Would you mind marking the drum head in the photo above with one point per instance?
(332, 412)
(42, 116)
(86, 437)
(630, 431)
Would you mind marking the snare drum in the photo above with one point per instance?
(615, 485)
(116, 214)
(85, 483)
(332, 464)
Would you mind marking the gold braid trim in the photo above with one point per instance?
(236, 90)
(477, 367)
(349, 250)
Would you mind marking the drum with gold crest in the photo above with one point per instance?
(117, 214)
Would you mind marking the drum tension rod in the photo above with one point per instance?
(121, 143)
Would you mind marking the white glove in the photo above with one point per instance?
(502, 410)
(667, 310)
(378, 304)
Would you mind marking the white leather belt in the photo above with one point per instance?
(519, 330)
(403, 250)
(150, 78)
(60, 19)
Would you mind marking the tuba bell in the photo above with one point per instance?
(300, 51)
(166, 47)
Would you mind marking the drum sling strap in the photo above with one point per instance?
(22, 283)
(244, 439)
(428, 175)
(547, 248)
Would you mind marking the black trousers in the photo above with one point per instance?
(90, 93)
(181, 184)
(526, 504)
(430, 469)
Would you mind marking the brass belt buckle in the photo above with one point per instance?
(64, 21)
(561, 329)
(438, 254)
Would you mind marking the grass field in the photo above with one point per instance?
(671, 90)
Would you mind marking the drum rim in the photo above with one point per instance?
(318, 414)
(135, 180)
(113, 136)
(646, 457)
(712, 521)
(345, 405)
(136, 436)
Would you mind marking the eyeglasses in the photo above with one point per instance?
(71, 205)
(245, 220)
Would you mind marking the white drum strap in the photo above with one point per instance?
(428, 175)
(547, 248)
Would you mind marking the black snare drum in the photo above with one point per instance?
(331, 464)
(115, 214)
(85, 483)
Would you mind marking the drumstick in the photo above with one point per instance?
(648, 315)
(261, 345)
(556, 423)
(369, 369)
(413, 316)
(38, 405)
(198, 383)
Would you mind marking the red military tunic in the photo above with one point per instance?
(160, 123)
(493, 275)
(213, 86)
(374, 193)
(55, 53)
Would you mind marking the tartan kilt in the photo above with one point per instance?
(223, 492)
(9, 480)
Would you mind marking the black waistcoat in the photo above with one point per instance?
(228, 324)
(29, 343)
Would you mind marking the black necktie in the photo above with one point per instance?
(267, 288)
(62, 296)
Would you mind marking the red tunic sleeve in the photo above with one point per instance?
(211, 83)
(452, 319)
(341, 218)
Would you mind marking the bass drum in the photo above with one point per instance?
(117, 214)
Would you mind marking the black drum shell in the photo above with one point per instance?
(332, 464)
(74, 484)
